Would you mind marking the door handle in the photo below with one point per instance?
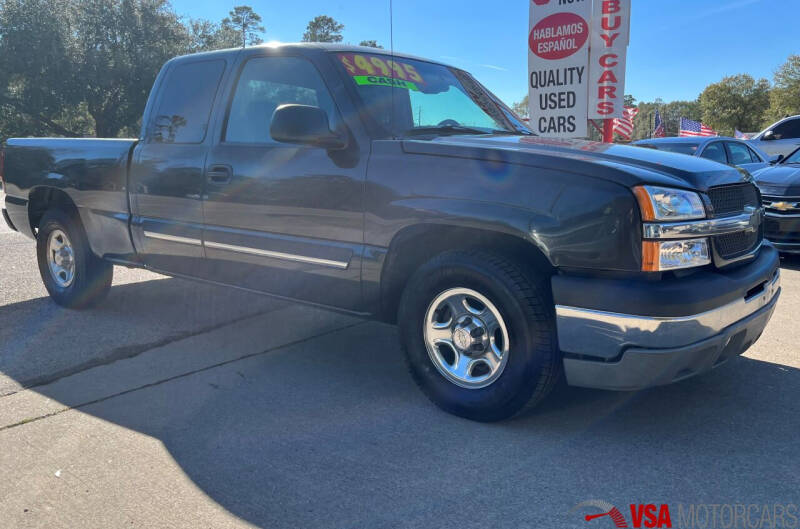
(220, 174)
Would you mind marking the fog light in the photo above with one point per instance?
(672, 255)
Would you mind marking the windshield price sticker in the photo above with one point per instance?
(372, 80)
(359, 65)
(558, 59)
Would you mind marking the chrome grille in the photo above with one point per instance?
(782, 205)
(733, 199)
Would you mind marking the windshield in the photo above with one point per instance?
(408, 97)
(680, 148)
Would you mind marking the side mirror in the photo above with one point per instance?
(768, 136)
(776, 159)
(304, 125)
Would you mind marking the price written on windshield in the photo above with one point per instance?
(358, 64)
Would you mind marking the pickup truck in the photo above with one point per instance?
(401, 189)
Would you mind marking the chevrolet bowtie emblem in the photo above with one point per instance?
(783, 206)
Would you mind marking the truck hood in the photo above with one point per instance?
(623, 164)
(781, 180)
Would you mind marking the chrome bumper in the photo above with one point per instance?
(595, 333)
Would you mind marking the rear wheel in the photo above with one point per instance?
(479, 335)
(73, 276)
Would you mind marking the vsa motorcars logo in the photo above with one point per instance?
(641, 515)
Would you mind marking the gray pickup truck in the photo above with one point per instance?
(401, 189)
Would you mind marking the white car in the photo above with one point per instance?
(780, 138)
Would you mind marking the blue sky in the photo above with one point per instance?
(677, 46)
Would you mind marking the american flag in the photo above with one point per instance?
(695, 128)
(658, 130)
(624, 125)
(740, 135)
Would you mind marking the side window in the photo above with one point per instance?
(788, 130)
(739, 153)
(186, 101)
(715, 151)
(755, 156)
(264, 85)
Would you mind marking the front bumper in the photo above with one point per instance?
(616, 350)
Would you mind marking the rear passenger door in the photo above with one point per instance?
(167, 178)
(715, 151)
(281, 218)
(743, 156)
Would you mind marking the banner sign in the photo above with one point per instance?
(609, 50)
(577, 50)
(558, 60)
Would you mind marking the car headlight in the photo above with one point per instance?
(666, 204)
(660, 256)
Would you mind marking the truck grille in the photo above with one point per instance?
(737, 244)
(782, 205)
(733, 199)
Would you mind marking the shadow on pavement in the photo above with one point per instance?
(333, 433)
(40, 341)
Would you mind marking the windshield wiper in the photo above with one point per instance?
(453, 129)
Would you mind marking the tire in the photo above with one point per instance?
(91, 276)
(486, 391)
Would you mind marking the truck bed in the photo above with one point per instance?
(92, 172)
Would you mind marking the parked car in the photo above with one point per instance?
(780, 189)
(399, 188)
(720, 149)
(780, 138)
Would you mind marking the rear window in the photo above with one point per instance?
(186, 102)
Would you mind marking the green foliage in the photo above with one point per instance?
(736, 102)
(370, 44)
(784, 99)
(521, 107)
(245, 23)
(205, 35)
(323, 29)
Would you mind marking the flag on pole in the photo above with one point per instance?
(624, 125)
(695, 128)
(658, 129)
(740, 135)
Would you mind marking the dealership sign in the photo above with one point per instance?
(568, 84)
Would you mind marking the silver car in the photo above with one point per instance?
(720, 149)
(780, 138)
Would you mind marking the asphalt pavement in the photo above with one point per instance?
(181, 405)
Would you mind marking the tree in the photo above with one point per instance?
(120, 47)
(323, 29)
(370, 44)
(784, 99)
(207, 36)
(521, 107)
(736, 102)
(36, 57)
(246, 23)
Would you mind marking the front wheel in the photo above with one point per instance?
(73, 276)
(479, 334)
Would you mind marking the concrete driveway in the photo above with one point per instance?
(178, 405)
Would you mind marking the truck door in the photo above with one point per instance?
(281, 218)
(167, 177)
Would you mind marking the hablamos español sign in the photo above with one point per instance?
(562, 85)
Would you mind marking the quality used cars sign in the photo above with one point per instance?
(558, 60)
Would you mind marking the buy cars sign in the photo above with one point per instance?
(568, 83)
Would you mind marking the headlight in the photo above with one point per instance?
(658, 256)
(665, 204)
